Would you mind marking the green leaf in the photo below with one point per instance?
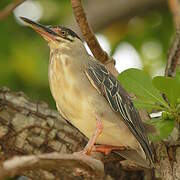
(163, 127)
(142, 104)
(169, 86)
(138, 82)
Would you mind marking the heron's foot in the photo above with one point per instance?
(107, 149)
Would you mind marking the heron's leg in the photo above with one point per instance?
(90, 145)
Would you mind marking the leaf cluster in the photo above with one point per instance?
(154, 95)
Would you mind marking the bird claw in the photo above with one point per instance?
(107, 149)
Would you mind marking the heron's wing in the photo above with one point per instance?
(119, 100)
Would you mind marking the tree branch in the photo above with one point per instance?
(66, 165)
(174, 7)
(163, 168)
(174, 53)
(87, 32)
(90, 38)
(167, 154)
(8, 9)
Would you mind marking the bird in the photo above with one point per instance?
(89, 97)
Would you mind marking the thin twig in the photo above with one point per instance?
(9, 8)
(174, 53)
(173, 57)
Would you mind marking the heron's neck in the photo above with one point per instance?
(74, 51)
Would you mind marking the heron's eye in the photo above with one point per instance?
(63, 33)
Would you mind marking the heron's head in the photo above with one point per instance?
(56, 36)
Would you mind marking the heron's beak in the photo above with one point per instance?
(44, 31)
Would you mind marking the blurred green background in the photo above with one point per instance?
(140, 39)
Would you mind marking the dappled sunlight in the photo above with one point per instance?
(158, 70)
(26, 9)
(126, 57)
(151, 49)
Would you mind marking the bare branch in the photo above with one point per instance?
(90, 38)
(174, 53)
(8, 9)
(87, 32)
(175, 10)
(173, 57)
(75, 165)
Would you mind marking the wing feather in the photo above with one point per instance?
(119, 101)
